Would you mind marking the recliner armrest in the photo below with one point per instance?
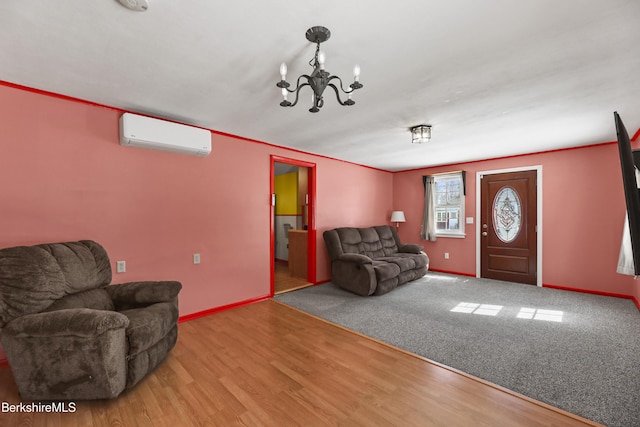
(83, 322)
(355, 258)
(144, 293)
(410, 248)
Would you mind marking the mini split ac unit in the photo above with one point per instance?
(155, 134)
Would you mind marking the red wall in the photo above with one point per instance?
(65, 177)
(583, 214)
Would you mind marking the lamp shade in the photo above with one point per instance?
(397, 216)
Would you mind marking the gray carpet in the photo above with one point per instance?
(588, 363)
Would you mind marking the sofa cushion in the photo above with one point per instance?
(350, 240)
(406, 261)
(421, 260)
(387, 240)
(139, 294)
(96, 299)
(385, 270)
(364, 241)
(403, 263)
(33, 277)
(30, 280)
(411, 248)
(149, 325)
(84, 264)
(371, 242)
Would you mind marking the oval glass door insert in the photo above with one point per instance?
(507, 217)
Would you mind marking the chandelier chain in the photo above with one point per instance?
(314, 60)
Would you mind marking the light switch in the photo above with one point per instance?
(469, 220)
(196, 258)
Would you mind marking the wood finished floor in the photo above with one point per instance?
(266, 364)
(285, 282)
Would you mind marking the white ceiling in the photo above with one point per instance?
(493, 77)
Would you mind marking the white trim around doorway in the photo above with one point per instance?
(538, 169)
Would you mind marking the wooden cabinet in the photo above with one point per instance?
(303, 191)
(298, 253)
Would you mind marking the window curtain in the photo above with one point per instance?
(625, 259)
(463, 177)
(428, 230)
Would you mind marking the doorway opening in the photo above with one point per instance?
(293, 234)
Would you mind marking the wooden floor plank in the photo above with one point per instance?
(267, 364)
(285, 282)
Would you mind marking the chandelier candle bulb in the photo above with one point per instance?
(321, 59)
(283, 71)
(356, 73)
(284, 94)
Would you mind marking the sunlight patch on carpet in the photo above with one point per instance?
(540, 314)
(473, 308)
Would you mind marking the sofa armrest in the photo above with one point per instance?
(410, 248)
(355, 258)
(144, 293)
(68, 354)
(83, 322)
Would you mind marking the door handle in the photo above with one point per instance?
(484, 233)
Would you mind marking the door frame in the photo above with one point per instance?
(479, 175)
(311, 212)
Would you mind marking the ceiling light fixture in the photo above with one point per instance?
(420, 134)
(319, 78)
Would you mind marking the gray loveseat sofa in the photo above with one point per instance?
(70, 335)
(372, 261)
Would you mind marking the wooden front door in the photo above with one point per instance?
(508, 248)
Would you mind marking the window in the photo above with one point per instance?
(449, 204)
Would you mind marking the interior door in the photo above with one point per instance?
(508, 217)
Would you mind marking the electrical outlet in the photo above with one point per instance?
(121, 266)
(196, 258)
(446, 255)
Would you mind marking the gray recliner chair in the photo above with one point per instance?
(68, 334)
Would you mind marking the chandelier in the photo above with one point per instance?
(319, 79)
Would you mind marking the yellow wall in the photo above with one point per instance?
(286, 189)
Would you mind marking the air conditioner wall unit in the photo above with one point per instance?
(155, 134)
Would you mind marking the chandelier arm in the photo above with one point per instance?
(335, 89)
(341, 86)
(297, 92)
(298, 86)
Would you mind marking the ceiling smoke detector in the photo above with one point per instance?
(138, 5)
